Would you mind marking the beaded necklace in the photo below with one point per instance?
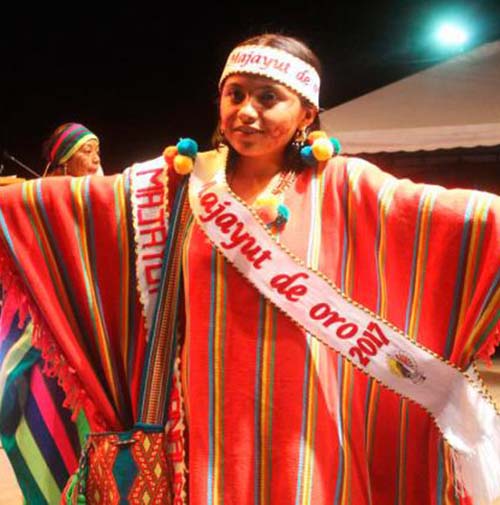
(269, 204)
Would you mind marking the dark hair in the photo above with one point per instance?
(62, 140)
(297, 48)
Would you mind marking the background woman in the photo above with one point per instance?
(42, 442)
(72, 149)
(261, 411)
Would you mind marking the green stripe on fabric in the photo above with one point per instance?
(82, 427)
(20, 359)
(29, 487)
(14, 358)
(222, 372)
(482, 337)
(37, 465)
(122, 253)
(271, 406)
(10, 395)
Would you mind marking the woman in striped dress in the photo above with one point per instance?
(280, 395)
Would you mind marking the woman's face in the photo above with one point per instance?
(86, 161)
(259, 116)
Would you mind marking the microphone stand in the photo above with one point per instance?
(9, 156)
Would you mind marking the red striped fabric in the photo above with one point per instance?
(273, 417)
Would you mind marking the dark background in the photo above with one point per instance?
(142, 75)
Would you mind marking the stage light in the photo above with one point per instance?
(451, 35)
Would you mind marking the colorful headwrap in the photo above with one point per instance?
(275, 64)
(69, 140)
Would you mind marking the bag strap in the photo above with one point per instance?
(158, 369)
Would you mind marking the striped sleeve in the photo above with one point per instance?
(66, 252)
(441, 252)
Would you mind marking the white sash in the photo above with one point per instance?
(150, 218)
(149, 199)
(467, 420)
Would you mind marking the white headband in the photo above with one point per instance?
(277, 65)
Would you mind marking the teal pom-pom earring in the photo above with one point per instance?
(336, 145)
(307, 156)
(187, 147)
(182, 155)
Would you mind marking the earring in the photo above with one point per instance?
(300, 136)
(299, 139)
(220, 137)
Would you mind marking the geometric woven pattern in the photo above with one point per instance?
(101, 487)
(151, 485)
(128, 467)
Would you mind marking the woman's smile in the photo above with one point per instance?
(259, 116)
(247, 130)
